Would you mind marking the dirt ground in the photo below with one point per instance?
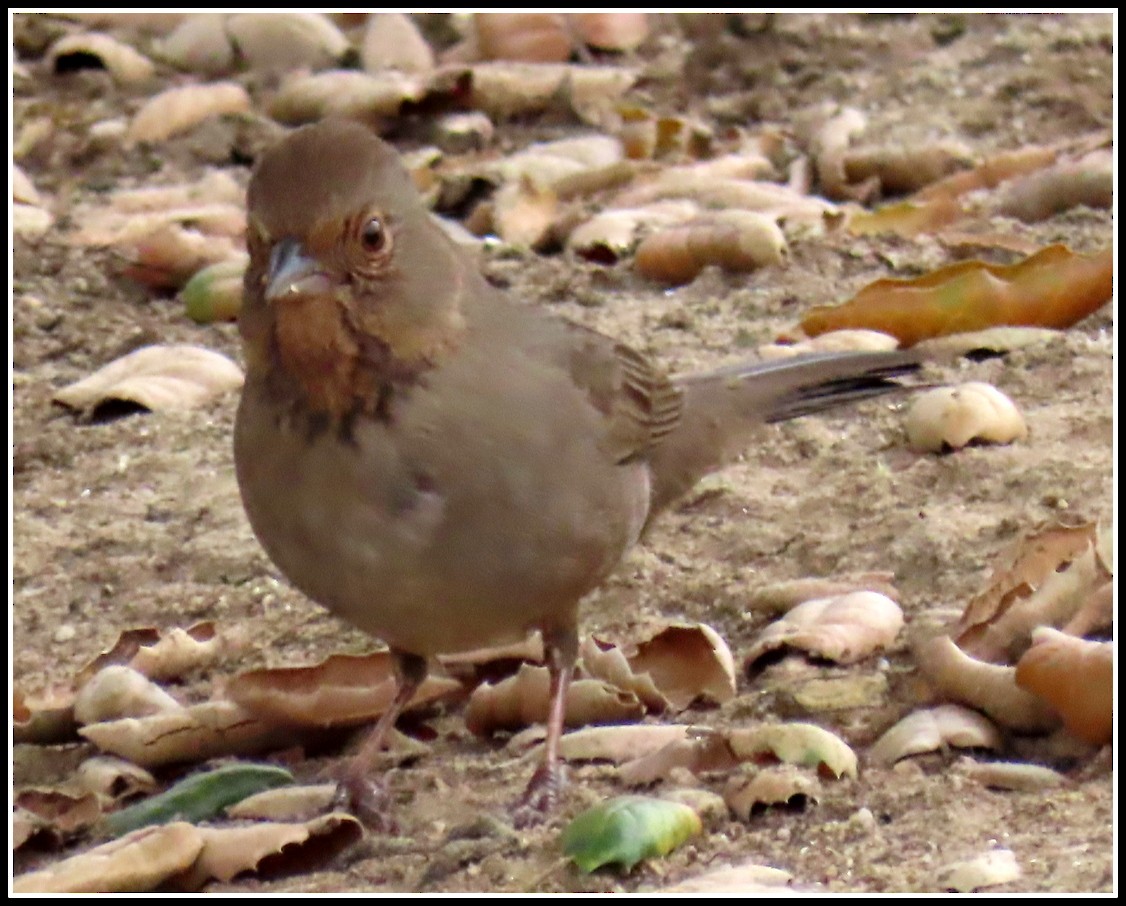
(136, 521)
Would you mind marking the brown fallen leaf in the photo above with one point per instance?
(1053, 288)
(901, 168)
(779, 597)
(370, 97)
(746, 878)
(206, 730)
(127, 65)
(179, 109)
(1088, 181)
(619, 743)
(117, 691)
(997, 866)
(158, 378)
(59, 814)
(1075, 677)
(784, 785)
(341, 691)
(1040, 580)
(950, 418)
(43, 719)
(393, 41)
(136, 862)
(735, 240)
(991, 688)
(112, 779)
(523, 699)
(934, 729)
(523, 37)
(845, 629)
(275, 42)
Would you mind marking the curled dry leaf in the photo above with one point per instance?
(612, 31)
(44, 719)
(1095, 614)
(550, 163)
(29, 221)
(368, 97)
(1044, 580)
(905, 168)
(735, 240)
(393, 41)
(1053, 288)
(286, 803)
(58, 814)
(779, 597)
(795, 743)
(523, 37)
(116, 691)
(179, 109)
(612, 234)
(845, 629)
(829, 146)
(991, 688)
(949, 418)
(279, 42)
(998, 866)
(1075, 677)
(1007, 775)
(207, 730)
(157, 378)
(1067, 184)
(609, 663)
(216, 187)
(270, 848)
(136, 862)
(199, 43)
(112, 779)
(990, 339)
(687, 661)
(747, 878)
(696, 183)
(523, 699)
(777, 785)
(523, 213)
(126, 65)
(343, 690)
(619, 743)
(934, 729)
(23, 189)
(504, 89)
(179, 651)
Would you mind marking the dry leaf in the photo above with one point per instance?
(523, 699)
(179, 109)
(523, 213)
(845, 629)
(1041, 580)
(137, 862)
(199, 43)
(998, 866)
(23, 189)
(115, 692)
(949, 418)
(1075, 677)
(1007, 775)
(992, 339)
(179, 651)
(687, 661)
(364, 96)
(393, 41)
(207, 730)
(279, 42)
(286, 803)
(270, 848)
(523, 37)
(610, 235)
(609, 663)
(619, 743)
(777, 785)
(157, 378)
(934, 729)
(991, 688)
(59, 814)
(112, 779)
(44, 719)
(1053, 288)
(1065, 185)
(795, 743)
(779, 597)
(833, 341)
(735, 240)
(748, 878)
(611, 31)
(126, 65)
(829, 147)
(905, 168)
(343, 690)
(711, 191)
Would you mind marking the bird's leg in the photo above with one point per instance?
(561, 648)
(366, 797)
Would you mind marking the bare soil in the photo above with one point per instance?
(136, 520)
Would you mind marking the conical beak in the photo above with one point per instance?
(292, 272)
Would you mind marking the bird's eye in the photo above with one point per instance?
(373, 235)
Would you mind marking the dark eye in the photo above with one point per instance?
(373, 235)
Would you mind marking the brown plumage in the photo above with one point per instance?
(439, 465)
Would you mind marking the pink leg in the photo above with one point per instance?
(366, 797)
(543, 791)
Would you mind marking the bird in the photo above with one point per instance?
(444, 466)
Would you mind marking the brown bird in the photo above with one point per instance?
(442, 466)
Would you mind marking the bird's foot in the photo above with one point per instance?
(540, 798)
(368, 800)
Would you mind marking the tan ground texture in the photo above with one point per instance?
(136, 521)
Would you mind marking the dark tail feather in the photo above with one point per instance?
(723, 408)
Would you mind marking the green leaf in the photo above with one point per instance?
(199, 797)
(627, 829)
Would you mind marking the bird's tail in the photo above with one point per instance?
(722, 408)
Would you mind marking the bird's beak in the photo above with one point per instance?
(292, 272)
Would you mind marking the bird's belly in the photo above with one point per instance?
(426, 567)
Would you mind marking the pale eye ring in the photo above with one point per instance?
(373, 235)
